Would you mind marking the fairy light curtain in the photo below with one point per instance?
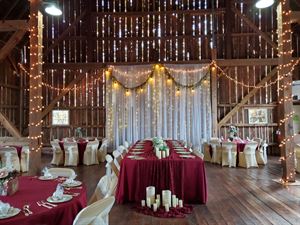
(173, 101)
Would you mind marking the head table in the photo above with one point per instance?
(31, 190)
(183, 176)
(81, 149)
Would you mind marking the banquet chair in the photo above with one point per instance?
(103, 150)
(216, 151)
(24, 161)
(229, 152)
(107, 184)
(57, 158)
(71, 153)
(117, 158)
(9, 155)
(126, 144)
(206, 151)
(123, 150)
(247, 157)
(198, 153)
(261, 153)
(90, 156)
(96, 213)
(114, 168)
(62, 172)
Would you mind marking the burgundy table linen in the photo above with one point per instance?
(32, 190)
(185, 177)
(81, 148)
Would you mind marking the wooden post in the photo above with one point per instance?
(285, 109)
(35, 90)
(214, 95)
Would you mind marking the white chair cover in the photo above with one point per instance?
(103, 150)
(25, 159)
(96, 213)
(90, 154)
(206, 152)
(216, 151)
(9, 156)
(229, 152)
(247, 158)
(117, 158)
(71, 153)
(62, 172)
(126, 144)
(261, 154)
(57, 158)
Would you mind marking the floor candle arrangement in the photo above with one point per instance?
(168, 206)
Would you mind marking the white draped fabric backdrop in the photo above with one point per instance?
(158, 107)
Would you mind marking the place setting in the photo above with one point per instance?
(47, 175)
(7, 211)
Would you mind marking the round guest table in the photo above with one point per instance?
(81, 148)
(31, 190)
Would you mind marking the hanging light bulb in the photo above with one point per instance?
(264, 3)
(52, 8)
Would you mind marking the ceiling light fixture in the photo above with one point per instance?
(52, 9)
(264, 3)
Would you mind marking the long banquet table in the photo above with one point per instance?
(32, 190)
(183, 176)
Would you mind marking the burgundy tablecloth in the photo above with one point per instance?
(184, 177)
(81, 148)
(19, 149)
(32, 190)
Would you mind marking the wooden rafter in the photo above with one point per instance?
(254, 27)
(64, 33)
(11, 43)
(9, 126)
(63, 93)
(13, 25)
(247, 97)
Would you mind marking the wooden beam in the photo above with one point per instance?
(11, 43)
(9, 126)
(254, 27)
(35, 87)
(63, 93)
(248, 62)
(13, 25)
(64, 33)
(286, 108)
(247, 97)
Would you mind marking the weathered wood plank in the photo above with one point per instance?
(9, 126)
(13, 25)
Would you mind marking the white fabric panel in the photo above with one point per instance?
(157, 109)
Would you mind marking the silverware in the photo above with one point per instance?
(48, 203)
(70, 188)
(44, 205)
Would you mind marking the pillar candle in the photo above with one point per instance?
(158, 196)
(154, 207)
(174, 203)
(163, 154)
(167, 152)
(157, 201)
(143, 203)
(180, 202)
(167, 207)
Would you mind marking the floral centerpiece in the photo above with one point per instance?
(9, 183)
(78, 132)
(233, 132)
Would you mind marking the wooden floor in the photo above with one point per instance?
(235, 196)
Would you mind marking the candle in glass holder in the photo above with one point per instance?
(150, 193)
(167, 207)
(180, 202)
(154, 207)
(157, 201)
(166, 197)
(149, 202)
(143, 203)
(174, 203)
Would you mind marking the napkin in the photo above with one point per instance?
(70, 180)
(4, 207)
(46, 172)
(59, 192)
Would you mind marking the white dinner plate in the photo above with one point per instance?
(75, 183)
(187, 156)
(47, 178)
(11, 212)
(138, 158)
(65, 198)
